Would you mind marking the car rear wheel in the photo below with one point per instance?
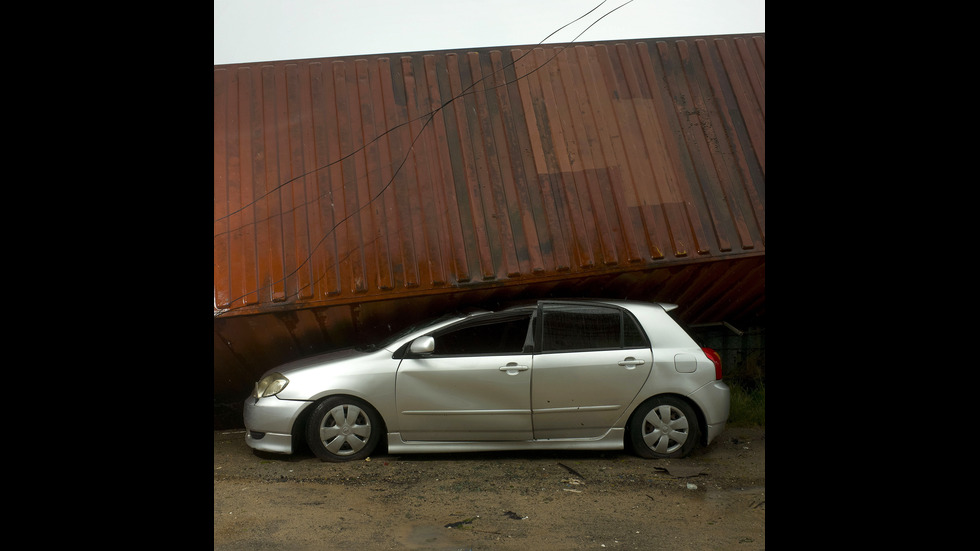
(343, 428)
(664, 427)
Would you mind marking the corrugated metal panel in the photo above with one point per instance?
(347, 180)
(355, 196)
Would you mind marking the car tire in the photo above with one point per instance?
(664, 427)
(343, 428)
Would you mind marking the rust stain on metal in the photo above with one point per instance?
(372, 177)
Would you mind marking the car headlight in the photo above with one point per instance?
(270, 385)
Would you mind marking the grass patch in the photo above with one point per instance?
(748, 405)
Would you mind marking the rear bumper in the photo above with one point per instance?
(269, 423)
(715, 401)
(714, 430)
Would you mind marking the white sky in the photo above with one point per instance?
(248, 31)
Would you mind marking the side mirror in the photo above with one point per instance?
(423, 345)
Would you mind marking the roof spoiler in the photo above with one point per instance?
(667, 306)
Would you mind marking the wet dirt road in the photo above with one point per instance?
(714, 499)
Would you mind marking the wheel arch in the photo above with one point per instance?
(299, 427)
(702, 421)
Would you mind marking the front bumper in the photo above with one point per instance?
(269, 423)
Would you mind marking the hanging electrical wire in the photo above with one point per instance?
(427, 118)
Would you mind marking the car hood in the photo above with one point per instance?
(318, 360)
(355, 372)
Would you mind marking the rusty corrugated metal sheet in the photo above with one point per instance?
(364, 178)
(346, 187)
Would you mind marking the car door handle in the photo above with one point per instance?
(631, 362)
(512, 368)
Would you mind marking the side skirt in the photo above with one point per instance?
(612, 440)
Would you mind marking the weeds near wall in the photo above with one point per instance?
(748, 405)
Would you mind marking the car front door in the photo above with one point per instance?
(473, 385)
(592, 361)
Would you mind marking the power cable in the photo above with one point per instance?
(428, 119)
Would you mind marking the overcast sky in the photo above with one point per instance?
(267, 30)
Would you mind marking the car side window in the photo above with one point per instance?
(633, 336)
(502, 336)
(587, 327)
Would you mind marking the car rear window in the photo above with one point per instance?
(586, 327)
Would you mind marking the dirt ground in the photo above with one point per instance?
(715, 499)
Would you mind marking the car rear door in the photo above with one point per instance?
(474, 386)
(591, 362)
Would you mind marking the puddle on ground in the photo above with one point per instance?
(432, 537)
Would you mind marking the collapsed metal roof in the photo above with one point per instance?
(632, 167)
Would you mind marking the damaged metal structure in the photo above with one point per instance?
(354, 196)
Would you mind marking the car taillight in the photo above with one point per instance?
(714, 357)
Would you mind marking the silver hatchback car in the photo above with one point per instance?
(585, 375)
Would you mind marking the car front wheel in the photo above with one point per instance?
(343, 428)
(664, 427)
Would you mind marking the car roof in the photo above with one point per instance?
(623, 303)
